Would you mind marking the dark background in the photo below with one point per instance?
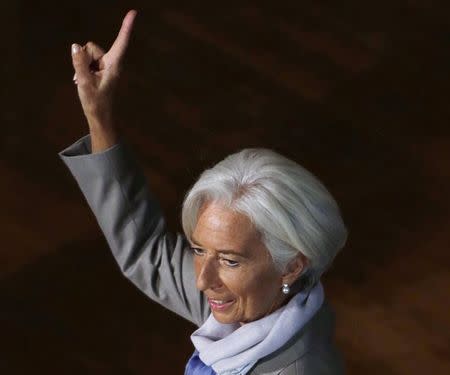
(366, 111)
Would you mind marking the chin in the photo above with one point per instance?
(222, 318)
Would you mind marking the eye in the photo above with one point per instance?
(197, 251)
(230, 263)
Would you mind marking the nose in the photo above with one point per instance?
(208, 277)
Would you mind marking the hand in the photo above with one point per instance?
(97, 74)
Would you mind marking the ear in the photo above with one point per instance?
(294, 269)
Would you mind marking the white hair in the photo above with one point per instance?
(291, 209)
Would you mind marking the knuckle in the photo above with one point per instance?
(90, 44)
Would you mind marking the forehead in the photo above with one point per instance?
(219, 227)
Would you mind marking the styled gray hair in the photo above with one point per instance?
(291, 209)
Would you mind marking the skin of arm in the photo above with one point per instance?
(103, 136)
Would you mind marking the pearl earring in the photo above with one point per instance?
(285, 289)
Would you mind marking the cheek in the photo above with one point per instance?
(196, 266)
(256, 287)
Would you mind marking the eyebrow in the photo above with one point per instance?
(222, 251)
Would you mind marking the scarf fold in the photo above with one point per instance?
(234, 349)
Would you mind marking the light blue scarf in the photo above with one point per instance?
(232, 349)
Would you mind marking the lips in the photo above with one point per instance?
(219, 305)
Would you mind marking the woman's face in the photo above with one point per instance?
(233, 267)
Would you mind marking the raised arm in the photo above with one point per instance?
(157, 262)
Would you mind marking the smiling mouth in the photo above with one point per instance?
(219, 305)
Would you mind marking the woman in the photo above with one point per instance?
(259, 231)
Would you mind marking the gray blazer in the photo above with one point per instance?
(157, 262)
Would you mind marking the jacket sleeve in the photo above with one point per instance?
(159, 263)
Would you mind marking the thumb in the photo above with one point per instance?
(81, 61)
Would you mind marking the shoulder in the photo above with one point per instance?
(311, 351)
(316, 362)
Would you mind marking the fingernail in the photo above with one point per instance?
(75, 48)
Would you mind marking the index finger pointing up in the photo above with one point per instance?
(120, 45)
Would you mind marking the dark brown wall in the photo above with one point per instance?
(367, 112)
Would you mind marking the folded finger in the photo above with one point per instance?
(80, 61)
(96, 53)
